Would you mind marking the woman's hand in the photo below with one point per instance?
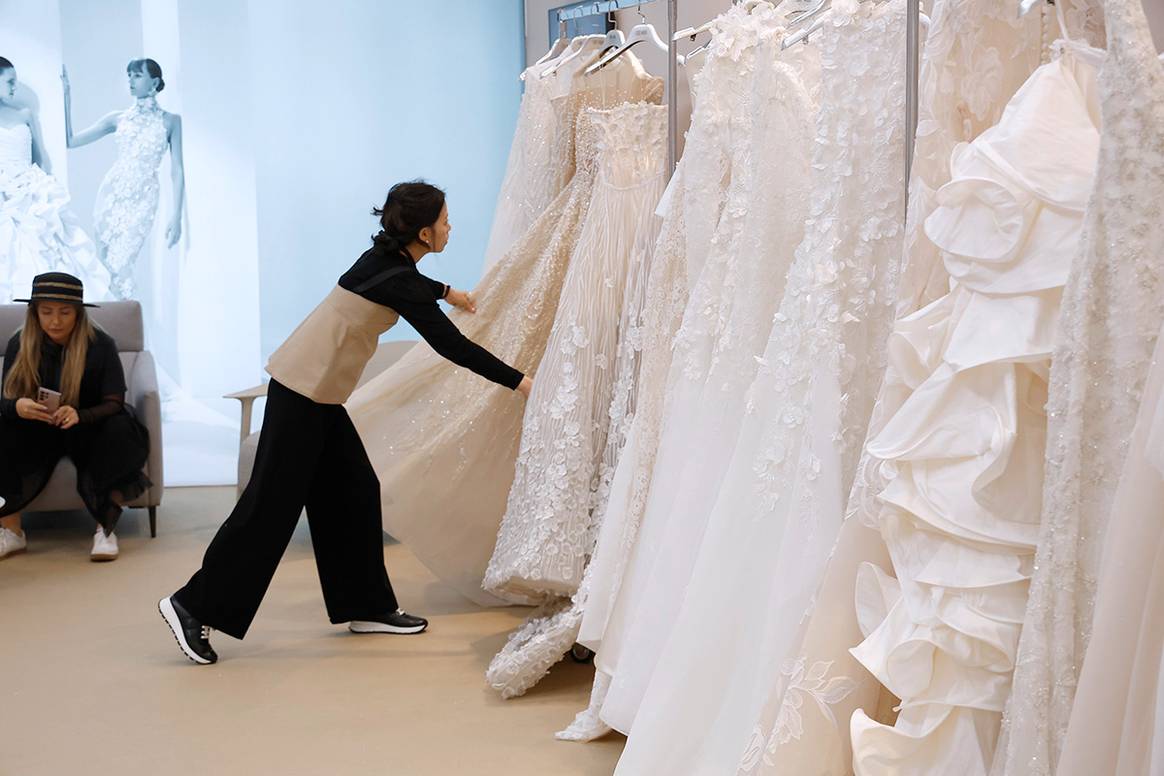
(525, 386)
(66, 417)
(32, 410)
(462, 300)
(174, 231)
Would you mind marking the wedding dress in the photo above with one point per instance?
(803, 727)
(442, 441)
(127, 199)
(1112, 309)
(722, 333)
(689, 209)
(38, 231)
(545, 536)
(961, 506)
(781, 501)
(532, 178)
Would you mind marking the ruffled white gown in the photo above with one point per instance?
(724, 330)
(38, 231)
(803, 728)
(1112, 310)
(781, 501)
(443, 441)
(964, 453)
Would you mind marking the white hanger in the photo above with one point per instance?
(559, 45)
(643, 32)
(579, 51)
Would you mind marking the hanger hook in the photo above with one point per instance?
(642, 16)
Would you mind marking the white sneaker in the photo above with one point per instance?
(104, 547)
(12, 543)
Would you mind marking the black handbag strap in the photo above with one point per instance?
(379, 278)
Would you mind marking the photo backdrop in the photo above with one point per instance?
(297, 116)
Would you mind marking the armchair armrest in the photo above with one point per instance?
(143, 394)
(247, 400)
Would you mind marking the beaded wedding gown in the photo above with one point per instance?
(1112, 310)
(545, 536)
(960, 509)
(38, 231)
(442, 441)
(127, 199)
(803, 727)
(781, 501)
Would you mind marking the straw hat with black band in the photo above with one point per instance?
(57, 287)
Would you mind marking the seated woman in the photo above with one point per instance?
(85, 418)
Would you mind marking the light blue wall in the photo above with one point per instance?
(352, 96)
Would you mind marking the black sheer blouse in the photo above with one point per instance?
(414, 297)
(102, 384)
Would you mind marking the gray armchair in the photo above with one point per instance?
(387, 354)
(123, 322)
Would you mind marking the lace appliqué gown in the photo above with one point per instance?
(1112, 309)
(127, 199)
(442, 440)
(38, 231)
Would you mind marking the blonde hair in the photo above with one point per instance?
(24, 377)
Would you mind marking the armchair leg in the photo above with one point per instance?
(153, 522)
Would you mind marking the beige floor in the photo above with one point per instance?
(92, 682)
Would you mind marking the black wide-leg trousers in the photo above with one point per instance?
(309, 455)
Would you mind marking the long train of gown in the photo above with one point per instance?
(1112, 309)
(546, 534)
(803, 728)
(716, 351)
(38, 231)
(961, 506)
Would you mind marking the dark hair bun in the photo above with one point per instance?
(408, 208)
(161, 83)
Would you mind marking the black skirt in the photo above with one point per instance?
(110, 455)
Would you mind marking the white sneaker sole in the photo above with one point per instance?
(102, 557)
(21, 551)
(361, 626)
(171, 617)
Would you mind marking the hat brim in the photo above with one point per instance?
(55, 299)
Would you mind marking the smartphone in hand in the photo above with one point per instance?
(50, 399)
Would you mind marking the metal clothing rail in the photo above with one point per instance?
(596, 7)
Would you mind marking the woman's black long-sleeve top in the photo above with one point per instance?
(414, 297)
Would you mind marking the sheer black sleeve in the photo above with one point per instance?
(8, 406)
(412, 299)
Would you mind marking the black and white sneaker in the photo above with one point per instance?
(393, 622)
(193, 637)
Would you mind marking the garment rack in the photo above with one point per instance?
(597, 7)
